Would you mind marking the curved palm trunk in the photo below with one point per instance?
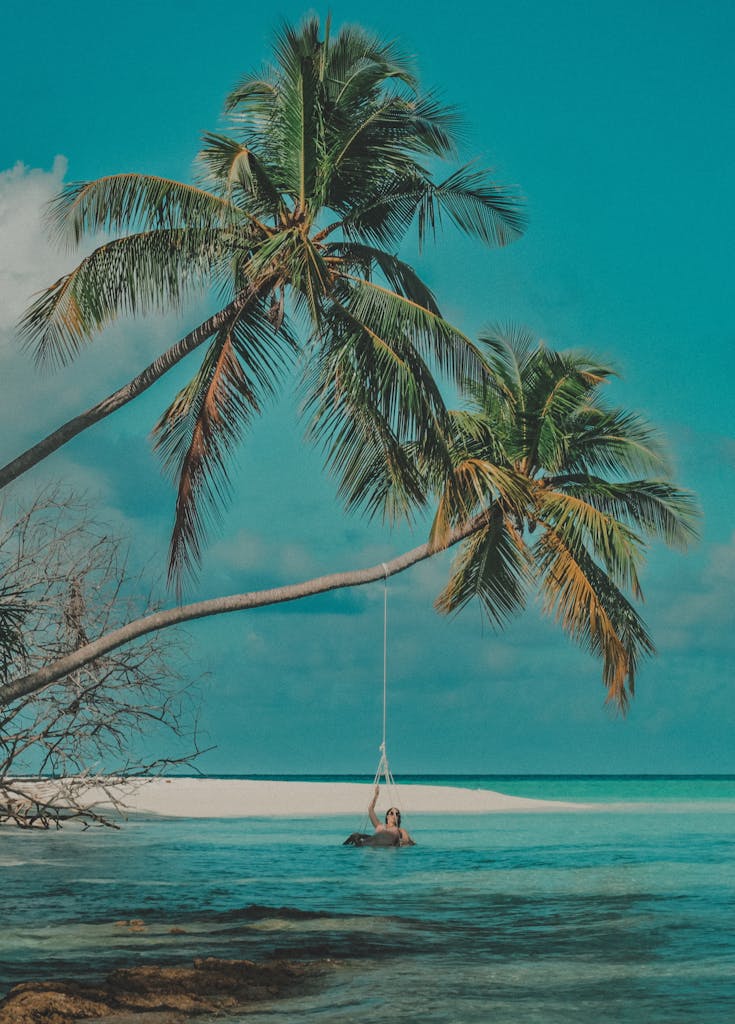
(24, 685)
(123, 395)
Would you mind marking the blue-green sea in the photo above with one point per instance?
(621, 913)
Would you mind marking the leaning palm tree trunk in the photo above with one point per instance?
(63, 434)
(34, 681)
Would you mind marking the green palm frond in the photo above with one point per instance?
(493, 213)
(656, 507)
(377, 474)
(366, 393)
(507, 349)
(399, 276)
(558, 388)
(310, 279)
(390, 314)
(478, 207)
(479, 435)
(382, 208)
(614, 441)
(137, 202)
(493, 566)
(251, 102)
(296, 113)
(199, 431)
(359, 64)
(234, 171)
(153, 271)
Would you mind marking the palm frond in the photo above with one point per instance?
(475, 205)
(593, 611)
(153, 271)
(507, 348)
(583, 527)
(135, 202)
(252, 100)
(199, 431)
(233, 170)
(310, 278)
(295, 118)
(391, 314)
(615, 441)
(371, 396)
(382, 207)
(359, 64)
(400, 277)
(493, 566)
(657, 507)
(471, 488)
(493, 213)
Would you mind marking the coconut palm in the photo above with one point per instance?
(293, 224)
(542, 492)
(569, 490)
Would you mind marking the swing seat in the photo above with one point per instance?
(372, 839)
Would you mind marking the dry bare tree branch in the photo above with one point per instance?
(69, 580)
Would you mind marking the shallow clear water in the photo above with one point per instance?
(615, 915)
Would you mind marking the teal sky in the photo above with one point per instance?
(616, 123)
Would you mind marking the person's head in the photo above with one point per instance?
(393, 817)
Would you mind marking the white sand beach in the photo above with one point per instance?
(247, 798)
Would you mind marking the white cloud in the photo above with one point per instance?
(28, 262)
(35, 402)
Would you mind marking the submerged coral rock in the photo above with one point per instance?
(207, 986)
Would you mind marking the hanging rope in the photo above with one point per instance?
(383, 771)
(385, 652)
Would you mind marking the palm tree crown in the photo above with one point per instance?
(295, 221)
(561, 486)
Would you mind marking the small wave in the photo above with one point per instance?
(258, 912)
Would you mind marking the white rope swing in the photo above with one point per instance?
(383, 771)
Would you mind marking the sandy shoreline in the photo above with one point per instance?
(250, 798)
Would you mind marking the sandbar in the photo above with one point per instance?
(256, 798)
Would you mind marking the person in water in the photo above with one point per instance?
(388, 833)
(392, 825)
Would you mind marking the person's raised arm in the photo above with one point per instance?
(371, 808)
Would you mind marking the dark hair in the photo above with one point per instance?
(398, 815)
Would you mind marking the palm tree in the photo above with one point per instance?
(563, 486)
(293, 225)
(537, 451)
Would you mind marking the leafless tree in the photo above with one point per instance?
(64, 580)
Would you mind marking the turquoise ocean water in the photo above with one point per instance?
(622, 913)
